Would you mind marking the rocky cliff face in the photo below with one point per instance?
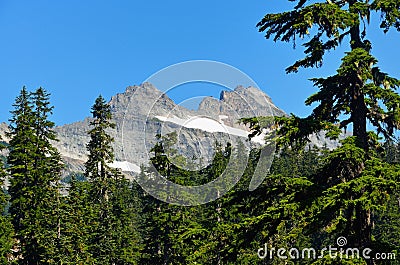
(143, 111)
(3, 130)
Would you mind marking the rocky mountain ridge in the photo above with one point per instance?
(143, 111)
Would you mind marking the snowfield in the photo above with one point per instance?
(125, 166)
(212, 126)
(198, 122)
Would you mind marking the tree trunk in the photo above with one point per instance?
(357, 105)
(362, 226)
(359, 116)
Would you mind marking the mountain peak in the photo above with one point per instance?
(251, 99)
(145, 87)
(142, 111)
(138, 98)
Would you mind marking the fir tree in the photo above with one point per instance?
(126, 208)
(180, 234)
(113, 238)
(158, 215)
(354, 181)
(35, 169)
(77, 221)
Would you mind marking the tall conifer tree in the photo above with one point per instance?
(77, 217)
(114, 239)
(354, 181)
(35, 170)
(101, 176)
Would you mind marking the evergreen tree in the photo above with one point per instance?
(387, 219)
(359, 90)
(392, 152)
(127, 228)
(98, 172)
(48, 166)
(353, 182)
(113, 238)
(158, 214)
(387, 227)
(180, 234)
(35, 169)
(77, 221)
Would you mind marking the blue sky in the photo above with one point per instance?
(80, 49)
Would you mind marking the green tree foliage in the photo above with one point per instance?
(113, 234)
(245, 220)
(387, 228)
(173, 233)
(35, 168)
(392, 152)
(126, 208)
(6, 231)
(161, 219)
(77, 221)
(354, 182)
(202, 234)
(101, 176)
(359, 90)
(387, 219)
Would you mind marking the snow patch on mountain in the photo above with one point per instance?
(210, 125)
(125, 166)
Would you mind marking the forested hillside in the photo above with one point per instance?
(101, 218)
(314, 206)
